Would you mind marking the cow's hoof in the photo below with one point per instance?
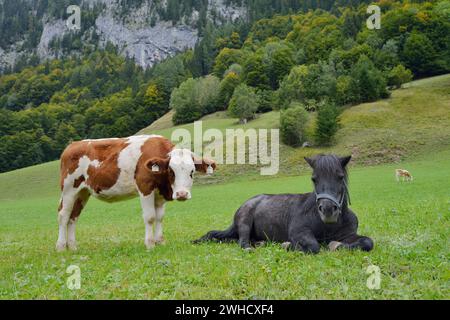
(150, 245)
(60, 247)
(286, 245)
(72, 246)
(161, 241)
(249, 249)
(334, 245)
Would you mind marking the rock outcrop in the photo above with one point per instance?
(141, 34)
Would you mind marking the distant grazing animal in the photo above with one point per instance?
(301, 221)
(403, 174)
(120, 168)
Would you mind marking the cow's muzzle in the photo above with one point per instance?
(182, 195)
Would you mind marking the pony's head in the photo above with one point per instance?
(330, 185)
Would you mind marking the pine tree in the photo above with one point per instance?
(327, 123)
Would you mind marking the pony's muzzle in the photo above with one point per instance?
(328, 210)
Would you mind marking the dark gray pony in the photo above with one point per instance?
(301, 221)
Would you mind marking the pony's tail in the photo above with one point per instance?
(227, 235)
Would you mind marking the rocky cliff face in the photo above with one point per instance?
(141, 34)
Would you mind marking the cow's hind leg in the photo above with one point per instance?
(80, 203)
(149, 215)
(66, 205)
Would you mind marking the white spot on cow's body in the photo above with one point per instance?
(82, 170)
(125, 186)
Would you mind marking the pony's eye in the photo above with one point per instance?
(192, 172)
(313, 179)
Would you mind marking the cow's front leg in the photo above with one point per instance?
(159, 208)
(149, 215)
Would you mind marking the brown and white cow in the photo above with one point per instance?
(121, 168)
(403, 174)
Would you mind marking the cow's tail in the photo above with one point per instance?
(227, 235)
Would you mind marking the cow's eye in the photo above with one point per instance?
(192, 173)
(313, 179)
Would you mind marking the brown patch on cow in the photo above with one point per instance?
(164, 184)
(78, 181)
(79, 204)
(76, 210)
(105, 151)
(146, 180)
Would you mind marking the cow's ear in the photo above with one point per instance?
(345, 160)
(310, 161)
(204, 165)
(157, 165)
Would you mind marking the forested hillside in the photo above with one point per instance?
(146, 30)
(300, 61)
(42, 108)
(320, 57)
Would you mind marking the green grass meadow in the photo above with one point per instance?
(409, 222)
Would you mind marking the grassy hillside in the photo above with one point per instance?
(37, 181)
(414, 122)
(218, 120)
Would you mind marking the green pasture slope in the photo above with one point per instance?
(409, 223)
(414, 121)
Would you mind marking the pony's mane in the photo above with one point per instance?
(330, 165)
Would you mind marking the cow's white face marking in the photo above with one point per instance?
(182, 165)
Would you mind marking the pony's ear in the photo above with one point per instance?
(310, 161)
(157, 165)
(345, 160)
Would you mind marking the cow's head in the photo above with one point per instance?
(180, 166)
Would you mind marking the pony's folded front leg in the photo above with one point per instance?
(304, 241)
(352, 242)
